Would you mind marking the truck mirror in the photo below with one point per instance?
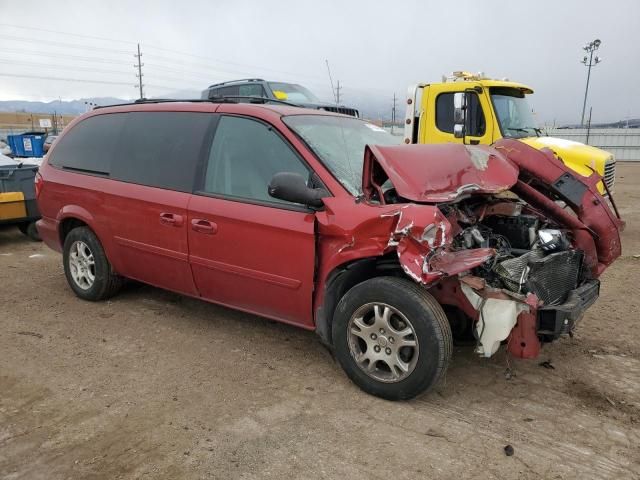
(459, 113)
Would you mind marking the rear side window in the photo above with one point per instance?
(161, 149)
(251, 90)
(90, 145)
(475, 125)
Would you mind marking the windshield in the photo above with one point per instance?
(339, 143)
(514, 113)
(292, 93)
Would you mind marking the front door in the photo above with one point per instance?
(248, 250)
(439, 115)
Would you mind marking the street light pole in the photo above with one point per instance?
(589, 61)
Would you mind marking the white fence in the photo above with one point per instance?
(624, 143)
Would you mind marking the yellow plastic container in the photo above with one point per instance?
(12, 206)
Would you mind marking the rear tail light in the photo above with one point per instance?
(38, 184)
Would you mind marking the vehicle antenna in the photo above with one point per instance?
(331, 81)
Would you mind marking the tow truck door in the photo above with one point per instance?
(437, 118)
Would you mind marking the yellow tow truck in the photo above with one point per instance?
(473, 109)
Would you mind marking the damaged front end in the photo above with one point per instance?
(506, 237)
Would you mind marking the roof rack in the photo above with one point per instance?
(225, 99)
(231, 82)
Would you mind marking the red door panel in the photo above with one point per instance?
(252, 257)
(150, 234)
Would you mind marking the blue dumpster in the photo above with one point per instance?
(28, 144)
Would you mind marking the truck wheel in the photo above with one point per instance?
(87, 268)
(29, 229)
(392, 338)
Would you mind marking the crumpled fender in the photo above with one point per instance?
(420, 235)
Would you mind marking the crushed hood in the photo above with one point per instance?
(440, 173)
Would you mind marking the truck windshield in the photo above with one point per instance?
(292, 92)
(339, 143)
(513, 112)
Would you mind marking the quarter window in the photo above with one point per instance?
(475, 124)
(90, 145)
(244, 156)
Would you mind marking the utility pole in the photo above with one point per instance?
(589, 62)
(393, 112)
(589, 125)
(139, 66)
(338, 87)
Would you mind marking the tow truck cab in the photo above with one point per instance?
(493, 109)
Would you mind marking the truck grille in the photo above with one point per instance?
(610, 173)
(346, 111)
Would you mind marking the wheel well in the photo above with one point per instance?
(345, 277)
(67, 225)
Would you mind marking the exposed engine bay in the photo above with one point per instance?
(507, 236)
(532, 255)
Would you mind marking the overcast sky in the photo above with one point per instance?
(373, 47)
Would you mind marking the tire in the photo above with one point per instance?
(29, 229)
(398, 372)
(87, 268)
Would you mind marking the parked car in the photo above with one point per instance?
(321, 221)
(290, 93)
(49, 141)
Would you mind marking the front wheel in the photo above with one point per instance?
(392, 338)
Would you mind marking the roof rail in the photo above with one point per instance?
(231, 82)
(225, 99)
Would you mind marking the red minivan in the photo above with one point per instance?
(322, 221)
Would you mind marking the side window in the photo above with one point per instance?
(244, 156)
(251, 90)
(475, 125)
(90, 145)
(161, 149)
(224, 91)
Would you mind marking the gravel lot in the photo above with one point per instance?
(155, 385)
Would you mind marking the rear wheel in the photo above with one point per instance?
(29, 229)
(87, 268)
(392, 338)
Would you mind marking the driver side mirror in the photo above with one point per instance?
(292, 187)
(459, 114)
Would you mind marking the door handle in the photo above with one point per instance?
(171, 219)
(204, 226)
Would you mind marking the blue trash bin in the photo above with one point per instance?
(28, 144)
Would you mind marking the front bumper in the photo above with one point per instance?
(556, 320)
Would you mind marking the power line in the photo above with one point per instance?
(79, 80)
(66, 56)
(67, 33)
(58, 66)
(65, 79)
(210, 59)
(63, 44)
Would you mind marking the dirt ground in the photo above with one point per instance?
(155, 385)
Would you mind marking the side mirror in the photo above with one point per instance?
(292, 187)
(459, 113)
